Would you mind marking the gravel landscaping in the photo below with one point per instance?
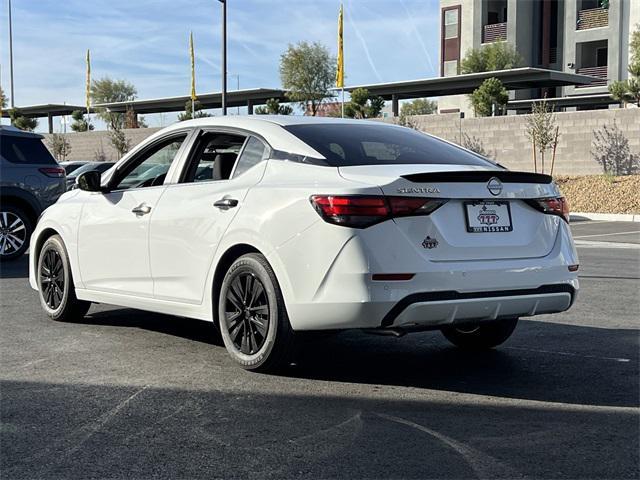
(601, 193)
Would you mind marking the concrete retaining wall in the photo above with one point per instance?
(504, 137)
(506, 140)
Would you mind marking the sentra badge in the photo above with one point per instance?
(419, 190)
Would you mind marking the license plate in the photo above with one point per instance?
(484, 217)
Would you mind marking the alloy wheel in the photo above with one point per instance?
(13, 233)
(247, 313)
(52, 278)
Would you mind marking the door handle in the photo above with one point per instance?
(226, 203)
(141, 209)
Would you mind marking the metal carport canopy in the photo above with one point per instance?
(513, 79)
(236, 98)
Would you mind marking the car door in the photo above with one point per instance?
(113, 248)
(193, 215)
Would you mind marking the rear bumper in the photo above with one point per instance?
(446, 308)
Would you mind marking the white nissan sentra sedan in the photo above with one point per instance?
(270, 226)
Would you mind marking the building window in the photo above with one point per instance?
(451, 23)
(450, 41)
(450, 68)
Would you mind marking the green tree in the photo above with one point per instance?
(59, 146)
(106, 90)
(491, 57)
(273, 107)
(3, 99)
(419, 106)
(18, 120)
(186, 115)
(119, 141)
(541, 128)
(308, 72)
(363, 105)
(626, 91)
(489, 98)
(80, 123)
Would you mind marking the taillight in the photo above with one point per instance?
(553, 206)
(55, 172)
(361, 211)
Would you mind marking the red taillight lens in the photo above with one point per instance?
(55, 172)
(359, 211)
(553, 206)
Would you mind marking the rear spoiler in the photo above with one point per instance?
(505, 176)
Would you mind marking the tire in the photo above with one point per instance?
(252, 316)
(481, 336)
(15, 231)
(55, 283)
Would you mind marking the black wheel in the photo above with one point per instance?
(482, 335)
(55, 283)
(15, 230)
(252, 316)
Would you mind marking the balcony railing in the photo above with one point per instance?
(600, 72)
(496, 32)
(592, 18)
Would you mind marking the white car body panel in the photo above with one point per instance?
(166, 261)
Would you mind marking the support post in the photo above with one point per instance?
(50, 121)
(395, 105)
(249, 107)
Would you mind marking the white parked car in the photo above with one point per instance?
(269, 226)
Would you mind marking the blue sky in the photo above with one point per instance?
(146, 43)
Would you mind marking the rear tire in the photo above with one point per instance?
(55, 283)
(15, 230)
(252, 316)
(481, 336)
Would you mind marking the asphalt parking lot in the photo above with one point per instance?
(138, 395)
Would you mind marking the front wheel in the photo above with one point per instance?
(480, 336)
(252, 316)
(15, 230)
(55, 283)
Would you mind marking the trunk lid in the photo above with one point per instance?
(473, 225)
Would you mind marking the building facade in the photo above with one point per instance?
(577, 36)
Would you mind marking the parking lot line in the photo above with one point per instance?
(605, 234)
(596, 244)
(569, 354)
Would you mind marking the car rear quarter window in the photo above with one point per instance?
(25, 150)
(253, 153)
(345, 144)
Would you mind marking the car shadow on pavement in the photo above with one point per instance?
(196, 330)
(542, 361)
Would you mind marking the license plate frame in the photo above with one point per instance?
(489, 228)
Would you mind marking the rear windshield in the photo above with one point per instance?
(25, 150)
(346, 145)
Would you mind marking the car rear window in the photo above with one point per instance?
(25, 150)
(348, 145)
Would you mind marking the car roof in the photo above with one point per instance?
(16, 132)
(270, 127)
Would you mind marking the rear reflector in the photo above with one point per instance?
(573, 268)
(552, 206)
(55, 172)
(392, 277)
(361, 211)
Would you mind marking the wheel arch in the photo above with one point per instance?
(226, 260)
(22, 199)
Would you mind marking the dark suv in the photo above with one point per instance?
(30, 181)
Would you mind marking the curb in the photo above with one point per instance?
(611, 217)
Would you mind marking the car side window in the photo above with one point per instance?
(151, 168)
(253, 153)
(213, 157)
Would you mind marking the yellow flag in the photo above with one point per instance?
(340, 70)
(193, 68)
(88, 93)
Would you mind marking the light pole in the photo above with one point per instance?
(224, 56)
(11, 56)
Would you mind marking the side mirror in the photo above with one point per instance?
(90, 181)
